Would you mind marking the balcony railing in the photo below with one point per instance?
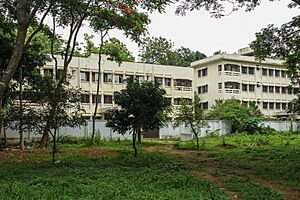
(232, 91)
(232, 73)
(182, 88)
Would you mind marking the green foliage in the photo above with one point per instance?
(191, 115)
(294, 105)
(280, 43)
(239, 116)
(142, 105)
(161, 51)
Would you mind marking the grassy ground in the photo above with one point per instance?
(233, 167)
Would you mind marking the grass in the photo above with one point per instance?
(149, 176)
(254, 167)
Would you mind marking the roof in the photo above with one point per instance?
(236, 57)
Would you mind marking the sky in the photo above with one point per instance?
(199, 31)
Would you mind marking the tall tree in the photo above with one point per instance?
(191, 115)
(281, 43)
(23, 13)
(142, 106)
(161, 51)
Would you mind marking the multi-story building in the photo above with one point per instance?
(177, 81)
(241, 76)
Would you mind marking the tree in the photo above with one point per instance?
(117, 51)
(33, 58)
(161, 51)
(38, 113)
(294, 106)
(281, 43)
(191, 114)
(23, 14)
(142, 106)
(217, 8)
(240, 117)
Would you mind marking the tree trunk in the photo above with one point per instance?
(14, 60)
(5, 137)
(98, 86)
(139, 136)
(133, 143)
(196, 135)
(54, 147)
(45, 137)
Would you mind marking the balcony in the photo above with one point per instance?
(182, 88)
(232, 73)
(182, 85)
(232, 70)
(232, 91)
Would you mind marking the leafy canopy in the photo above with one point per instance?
(142, 105)
(161, 51)
(241, 117)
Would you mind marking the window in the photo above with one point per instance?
(85, 76)
(251, 70)
(199, 73)
(251, 88)
(244, 70)
(205, 105)
(158, 80)
(245, 103)
(48, 72)
(219, 68)
(107, 99)
(85, 98)
(271, 89)
(94, 98)
(107, 77)
(271, 105)
(220, 85)
(95, 77)
(290, 90)
(202, 89)
(283, 106)
(264, 72)
(277, 106)
(296, 90)
(244, 87)
(265, 88)
(140, 78)
(283, 90)
(283, 74)
(128, 77)
(277, 89)
(177, 101)
(168, 82)
(277, 73)
(204, 72)
(118, 78)
(74, 74)
(271, 72)
(265, 105)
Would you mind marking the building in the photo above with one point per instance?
(177, 81)
(242, 77)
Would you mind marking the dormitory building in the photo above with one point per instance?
(222, 76)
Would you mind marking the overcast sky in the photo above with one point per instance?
(199, 31)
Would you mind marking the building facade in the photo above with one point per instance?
(177, 81)
(242, 77)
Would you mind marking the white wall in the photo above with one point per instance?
(216, 126)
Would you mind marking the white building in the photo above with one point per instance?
(242, 77)
(177, 81)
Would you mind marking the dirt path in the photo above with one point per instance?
(203, 168)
